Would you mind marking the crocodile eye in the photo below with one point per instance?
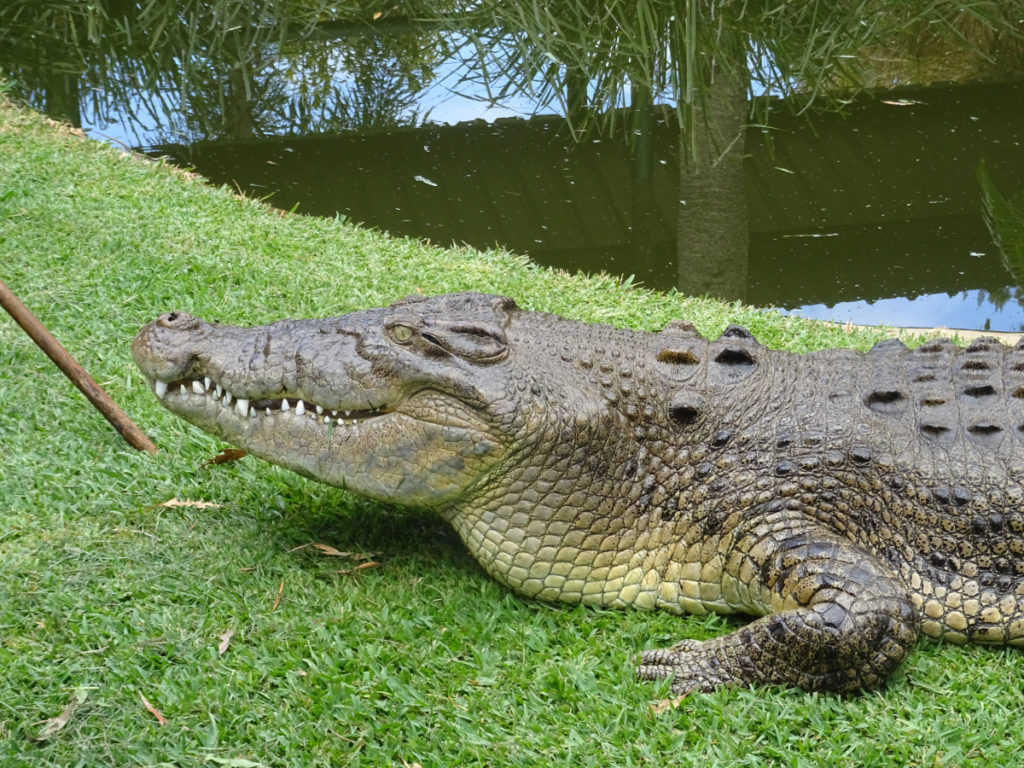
(402, 333)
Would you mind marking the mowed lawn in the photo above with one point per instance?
(163, 611)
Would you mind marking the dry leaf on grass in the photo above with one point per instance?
(195, 504)
(55, 724)
(360, 567)
(225, 639)
(224, 457)
(234, 762)
(327, 549)
(280, 591)
(658, 707)
(365, 559)
(152, 710)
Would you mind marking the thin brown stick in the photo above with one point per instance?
(280, 591)
(78, 375)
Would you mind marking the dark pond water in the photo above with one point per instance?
(873, 217)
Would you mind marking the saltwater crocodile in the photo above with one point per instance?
(848, 501)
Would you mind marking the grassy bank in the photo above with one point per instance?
(258, 649)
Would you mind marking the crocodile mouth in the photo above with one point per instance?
(254, 408)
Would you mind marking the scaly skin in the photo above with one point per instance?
(849, 502)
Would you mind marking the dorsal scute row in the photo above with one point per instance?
(974, 393)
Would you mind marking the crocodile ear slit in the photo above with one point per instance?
(475, 341)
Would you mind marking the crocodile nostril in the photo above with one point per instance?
(179, 321)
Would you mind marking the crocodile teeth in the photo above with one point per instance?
(243, 405)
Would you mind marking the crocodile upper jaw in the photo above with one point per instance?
(202, 392)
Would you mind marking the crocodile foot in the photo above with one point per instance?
(821, 648)
(688, 663)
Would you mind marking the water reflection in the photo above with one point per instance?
(844, 214)
(850, 218)
(978, 309)
(149, 72)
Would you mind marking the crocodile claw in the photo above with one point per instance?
(689, 663)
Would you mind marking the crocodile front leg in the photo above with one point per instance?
(840, 620)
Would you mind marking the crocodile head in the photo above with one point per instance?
(405, 403)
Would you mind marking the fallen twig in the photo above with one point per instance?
(78, 375)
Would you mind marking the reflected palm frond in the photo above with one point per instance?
(1005, 220)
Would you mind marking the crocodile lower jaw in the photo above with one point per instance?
(262, 406)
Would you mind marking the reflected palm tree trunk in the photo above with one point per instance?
(61, 97)
(237, 107)
(713, 228)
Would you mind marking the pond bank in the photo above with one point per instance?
(91, 219)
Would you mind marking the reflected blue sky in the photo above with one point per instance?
(447, 100)
(966, 310)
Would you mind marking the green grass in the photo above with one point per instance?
(423, 659)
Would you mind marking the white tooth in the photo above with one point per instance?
(348, 413)
(327, 419)
(300, 407)
(242, 406)
(207, 382)
(226, 400)
(284, 404)
(268, 410)
(183, 389)
(319, 411)
(218, 391)
(198, 388)
(341, 422)
(334, 414)
(252, 413)
(160, 387)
